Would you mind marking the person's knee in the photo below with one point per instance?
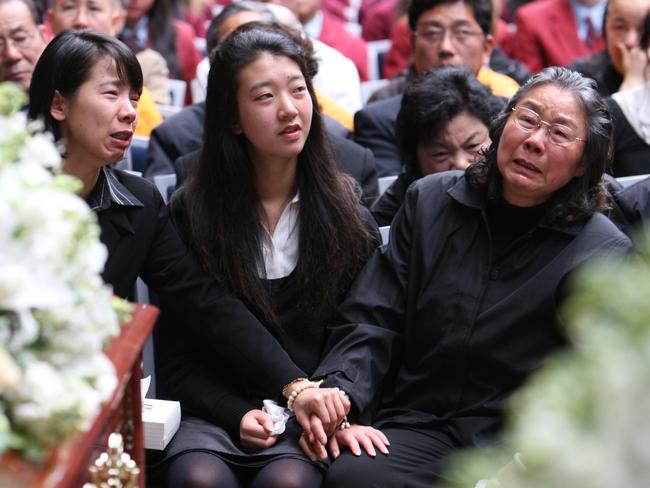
(200, 470)
(288, 473)
(287, 480)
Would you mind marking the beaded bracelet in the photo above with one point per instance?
(286, 387)
(344, 424)
(299, 389)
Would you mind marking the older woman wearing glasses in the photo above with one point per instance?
(466, 294)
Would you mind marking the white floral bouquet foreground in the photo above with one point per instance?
(56, 313)
(583, 421)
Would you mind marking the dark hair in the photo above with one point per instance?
(583, 195)
(432, 101)
(223, 206)
(645, 37)
(212, 34)
(482, 11)
(67, 63)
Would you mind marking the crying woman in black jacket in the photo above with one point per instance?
(468, 288)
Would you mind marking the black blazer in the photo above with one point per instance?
(175, 136)
(355, 160)
(142, 241)
(374, 128)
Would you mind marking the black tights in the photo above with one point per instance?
(205, 470)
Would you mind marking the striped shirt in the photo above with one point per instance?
(110, 191)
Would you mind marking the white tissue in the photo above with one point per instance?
(278, 414)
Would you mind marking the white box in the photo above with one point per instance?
(161, 419)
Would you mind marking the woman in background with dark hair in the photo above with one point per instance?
(152, 24)
(442, 124)
(472, 278)
(631, 115)
(268, 214)
(85, 88)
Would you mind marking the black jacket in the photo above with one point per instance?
(177, 135)
(387, 205)
(188, 363)
(463, 330)
(599, 68)
(631, 153)
(632, 207)
(142, 241)
(374, 128)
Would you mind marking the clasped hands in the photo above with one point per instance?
(320, 412)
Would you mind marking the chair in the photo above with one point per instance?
(177, 90)
(384, 182)
(165, 185)
(376, 52)
(385, 233)
(138, 153)
(626, 181)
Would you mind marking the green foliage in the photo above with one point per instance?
(12, 97)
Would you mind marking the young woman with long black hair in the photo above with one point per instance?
(268, 214)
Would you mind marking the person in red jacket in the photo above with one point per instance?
(557, 32)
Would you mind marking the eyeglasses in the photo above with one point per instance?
(529, 121)
(20, 40)
(436, 34)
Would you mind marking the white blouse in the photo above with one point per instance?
(280, 250)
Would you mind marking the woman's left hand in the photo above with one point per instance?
(314, 450)
(356, 437)
(255, 430)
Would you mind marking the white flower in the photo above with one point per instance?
(56, 314)
(40, 148)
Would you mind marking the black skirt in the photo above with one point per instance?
(195, 434)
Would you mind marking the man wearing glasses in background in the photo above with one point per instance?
(444, 33)
(22, 40)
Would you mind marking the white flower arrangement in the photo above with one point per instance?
(583, 420)
(56, 313)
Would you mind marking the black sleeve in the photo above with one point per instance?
(184, 165)
(369, 178)
(161, 153)
(207, 394)
(211, 314)
(371, 131)
(362, 345)
(632, 207)
(370, 224)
